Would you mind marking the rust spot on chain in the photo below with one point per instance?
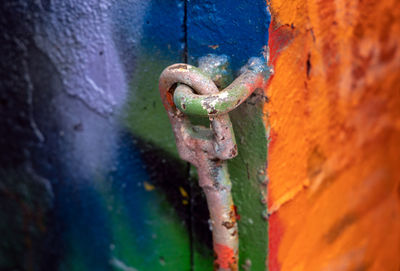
(228, 224)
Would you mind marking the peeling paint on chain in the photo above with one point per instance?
(254, 75)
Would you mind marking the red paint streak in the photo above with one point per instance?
(275, 236)
(170, 99)
(258, 82)
(225, 256)
(272, 139)
(279, 37)
(237, 216)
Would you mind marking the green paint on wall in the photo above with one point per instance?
(247, 172)
(145, 114)
(146, 118)
(164, 245)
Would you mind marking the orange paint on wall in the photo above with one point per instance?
(334, 115)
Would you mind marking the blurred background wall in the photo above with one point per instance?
(89, 174)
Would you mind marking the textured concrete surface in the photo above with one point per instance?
(334, 144)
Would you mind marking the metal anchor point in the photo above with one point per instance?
(187, 90)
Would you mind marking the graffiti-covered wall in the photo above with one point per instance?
(90, 178)
(77, 185)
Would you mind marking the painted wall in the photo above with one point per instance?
(239, 30)
(78, 186)
(334, 112)
(89, 174)
(90, 178)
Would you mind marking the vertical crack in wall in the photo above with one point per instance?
(188, 166)
(185, 32)
(185, 59)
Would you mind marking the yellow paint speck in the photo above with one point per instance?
(183, 192)
(148, 186)
(213, 46)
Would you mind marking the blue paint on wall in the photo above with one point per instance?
(163, 27)
(153, 26)
(237, 28)
(65, 133)
(81, 234)
(147, 27)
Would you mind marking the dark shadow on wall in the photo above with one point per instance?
(172, 175)
(26, 196)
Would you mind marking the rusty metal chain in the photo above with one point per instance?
(187, 90)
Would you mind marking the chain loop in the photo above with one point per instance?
(220, 142)
(217, 103)
(208, 149)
